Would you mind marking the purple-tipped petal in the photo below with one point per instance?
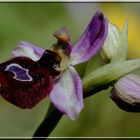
(67, 94)
(28, 50)
(91, 41)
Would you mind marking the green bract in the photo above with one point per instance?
(109, 73)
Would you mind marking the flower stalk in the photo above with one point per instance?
(108, 73)
(52, 118)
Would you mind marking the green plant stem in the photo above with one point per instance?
(46, 127)
(97, 89)
(53, 115)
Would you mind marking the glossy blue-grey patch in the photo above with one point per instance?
(21, 74)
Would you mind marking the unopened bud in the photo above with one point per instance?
(126, 93)
(110, 43)
(116, 44)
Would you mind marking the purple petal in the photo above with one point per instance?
(91, 40)
(28, 50)
(67, 94)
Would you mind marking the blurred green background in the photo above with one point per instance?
(35, 23)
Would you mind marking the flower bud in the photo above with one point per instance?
(115, 46)
(126, 93)
(110, 42)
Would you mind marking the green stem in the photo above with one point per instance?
(49, 123)
(97, 89)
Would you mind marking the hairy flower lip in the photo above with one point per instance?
(28, 93)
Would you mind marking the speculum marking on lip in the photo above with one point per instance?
(21, 74)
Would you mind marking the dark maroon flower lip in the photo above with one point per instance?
(25, 82)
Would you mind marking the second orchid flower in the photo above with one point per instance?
(54, 66)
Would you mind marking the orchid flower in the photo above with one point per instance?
(66, 91)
